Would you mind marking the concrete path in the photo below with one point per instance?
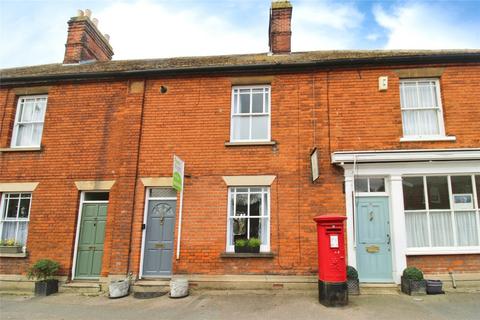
(238, 305)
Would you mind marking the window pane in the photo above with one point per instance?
(242, 205)
(257, 103)
(466, 224)
(260, 127)
(12, 208)
(239, 228)
(255, 228)
(37, 133)
(22, 232)
(413, 193)
(408, 95)
(441, 228)
(24, 208)
(24, 135)
(163, 193)
(8, 230)
(241, 128)
(377, 185)
(361, 185)
(420, 122)
(477, 184)
(417, 229)
(437, 188)
(96, 196)
(426, 94)
(38, 109)
(27, 111)
(462, 184)
(267, 99)
(245, 103)
(255, 204)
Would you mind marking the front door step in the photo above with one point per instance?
(145, 289)
(82, 288)
(379, 288)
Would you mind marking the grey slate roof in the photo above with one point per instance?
(187, 64)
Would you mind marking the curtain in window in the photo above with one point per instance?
(417, 229)
(441, 228)
(420, 122)
(466, 228)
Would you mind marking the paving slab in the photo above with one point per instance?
(239, 305)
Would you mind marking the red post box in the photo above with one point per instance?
(332, 265)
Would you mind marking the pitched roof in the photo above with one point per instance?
(231, 62)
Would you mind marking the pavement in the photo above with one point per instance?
(239, 305)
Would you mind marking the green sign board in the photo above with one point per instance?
(178, 168)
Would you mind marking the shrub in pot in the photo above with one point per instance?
(413, 282)
(353, 283)
(241, 246)
(254, 245)
(10, 246)
(43, 272)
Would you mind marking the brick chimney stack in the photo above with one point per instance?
(280, 32)
(84, 41)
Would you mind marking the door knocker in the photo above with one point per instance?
(370, 216)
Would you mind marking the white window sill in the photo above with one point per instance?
(20, 149)
(13, 255)
(428, 138)
(249, 143)
(442, 251)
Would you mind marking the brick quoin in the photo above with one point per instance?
(92, 132)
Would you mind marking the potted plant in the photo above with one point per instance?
(10, 246)
(353, 283)
(413, 282)
(43, 272)
(254, 245)
(241, 246)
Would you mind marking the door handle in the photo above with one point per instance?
(388, 239)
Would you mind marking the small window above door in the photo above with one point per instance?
(369, 184)
(96, 196)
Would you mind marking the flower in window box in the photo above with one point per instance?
(241, 246)
(10, 246)
(254, 245)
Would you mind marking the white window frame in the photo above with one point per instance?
(13, 143)
(455, 249)
(441, 125)
(3, 218)
(369, 193)
(251, 114)
(265, 216)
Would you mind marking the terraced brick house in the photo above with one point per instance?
(86, 150)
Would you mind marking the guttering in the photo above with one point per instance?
(414, 155)
(247, 68)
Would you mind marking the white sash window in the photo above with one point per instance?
(28, 128)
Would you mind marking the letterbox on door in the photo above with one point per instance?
(332, 266)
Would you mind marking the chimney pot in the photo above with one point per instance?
(107, 36)
(80, 13)
(95, 22)
(280, 32)
(88, 13)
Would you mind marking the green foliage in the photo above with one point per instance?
(43, 269)
(254, 242)
(352, 273)
(413, 273)
(241, 242)
(8, 243)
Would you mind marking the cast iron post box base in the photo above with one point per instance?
(333, 294)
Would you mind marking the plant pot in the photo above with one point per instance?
(244, 249)
(46, 287)
(10, 249)
(434, 287)
(353, 286)
(414, 287)
(119, 289)
(254, 249)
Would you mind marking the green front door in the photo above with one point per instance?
(374, 257)
(90, 241)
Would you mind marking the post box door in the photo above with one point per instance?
(374, 258)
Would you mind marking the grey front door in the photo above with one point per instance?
(158, 250)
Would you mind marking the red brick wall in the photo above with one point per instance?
(443, 264)
(91, 133)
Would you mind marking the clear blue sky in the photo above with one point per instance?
(34, 32)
